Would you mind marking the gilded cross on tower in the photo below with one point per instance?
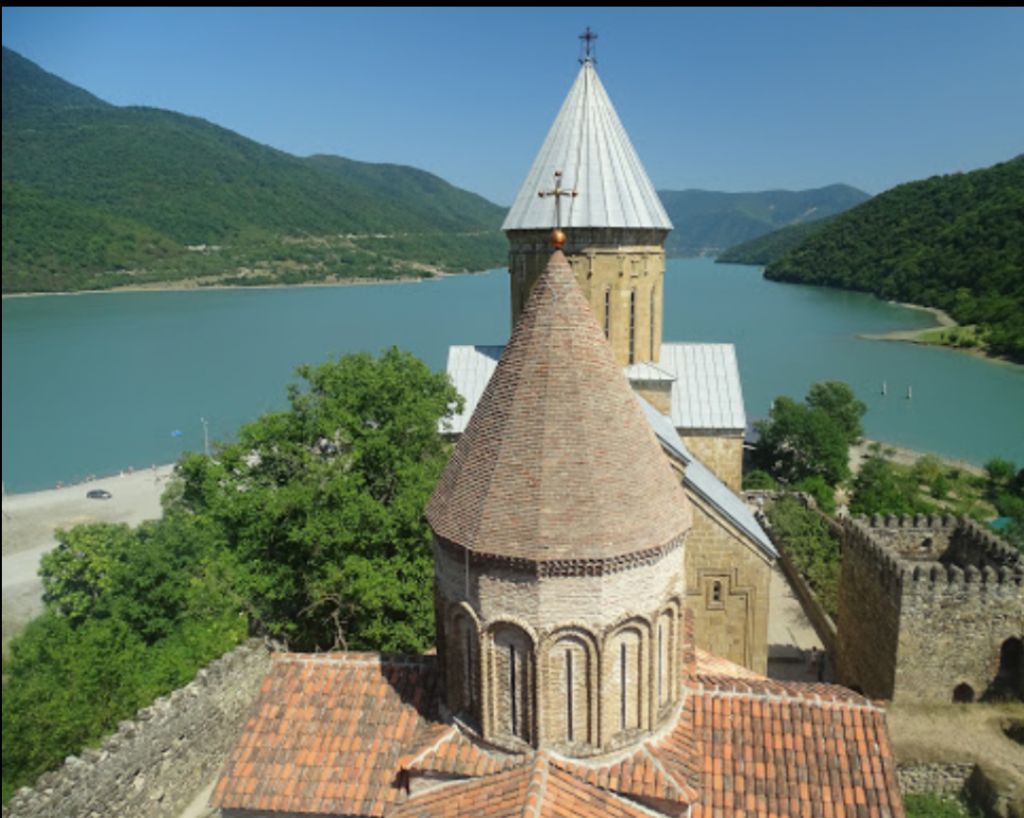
(588, 38)
(558, 193)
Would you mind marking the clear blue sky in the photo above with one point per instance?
(731, 99)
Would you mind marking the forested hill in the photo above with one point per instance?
(98, 195)
(771, 246)
(707, 222)
(954, 242)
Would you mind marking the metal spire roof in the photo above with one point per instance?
(558, 461)
(588, 144)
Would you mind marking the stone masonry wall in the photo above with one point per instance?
(524, 631)
(721, 451)
(869, 614)
(913, 628)
(612, 260)
(156, 764)
(735, 624)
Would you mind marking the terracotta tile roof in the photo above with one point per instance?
(763, 749)
(538, 789)
(351, 734)
(326, 734)
(453, 753)
(642, 776)
(558, 461)
(710, 665)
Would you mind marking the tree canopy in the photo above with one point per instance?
(321, 506)
(955, 242)
(308, 529)
(810, 439)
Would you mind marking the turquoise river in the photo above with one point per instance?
(96, 383)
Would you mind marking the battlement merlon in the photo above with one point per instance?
(974, 561)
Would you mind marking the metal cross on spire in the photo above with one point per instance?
(588, 38)
(558, 193)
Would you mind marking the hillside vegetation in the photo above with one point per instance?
(773, 246)
(707, 222)
(954, 242)
(96, 195)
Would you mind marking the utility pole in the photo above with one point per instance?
(206, 436)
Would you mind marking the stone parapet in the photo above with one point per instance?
(156, 764)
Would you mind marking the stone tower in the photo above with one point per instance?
(558, 539)
(615, 223)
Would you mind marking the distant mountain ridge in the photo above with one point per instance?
(97, 195)
(708, 222)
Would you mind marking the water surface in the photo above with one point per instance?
(96, 383)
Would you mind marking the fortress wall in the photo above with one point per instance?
(156, 764)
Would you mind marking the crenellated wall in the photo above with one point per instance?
(156, 764)
(927, 604)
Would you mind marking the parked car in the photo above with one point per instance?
(98, 494)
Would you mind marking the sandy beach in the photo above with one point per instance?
(30, 520)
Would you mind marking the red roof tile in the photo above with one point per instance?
(326, 734)
(347, 734)
(558, 429)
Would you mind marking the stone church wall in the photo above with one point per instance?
(581, 658)
(925, 606)
(156, 764)
(721, 451)
(615, 261)
(731, 620)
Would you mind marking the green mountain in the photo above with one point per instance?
(98, 195)
(955, 242)
(707, 222)
(772, 246)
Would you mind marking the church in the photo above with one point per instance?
(588, 180)
(568, 679)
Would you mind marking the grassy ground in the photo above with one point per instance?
(959, 734)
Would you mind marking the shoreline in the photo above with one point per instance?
(917, 336)
(190, 285)
(905, 457)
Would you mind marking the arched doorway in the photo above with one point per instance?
(1009, 679)
(963, 693)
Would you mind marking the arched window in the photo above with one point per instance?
(569, 704)
(664, 656)
(654, 315)
(626, 688)
(463, 667)
(607, 312)
(512, 684)
(632, 326)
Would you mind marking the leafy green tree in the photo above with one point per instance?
(824, 495)
(77, 575)
(879, 489)
(809, 543)
(321, 506)
(837, 400)
(1000, 471)
(759, 480)
(798, 441)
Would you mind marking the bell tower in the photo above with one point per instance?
(588, 180)
(559, 530)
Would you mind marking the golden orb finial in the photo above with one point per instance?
(557, 239)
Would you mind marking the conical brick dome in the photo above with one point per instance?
(558, 461)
